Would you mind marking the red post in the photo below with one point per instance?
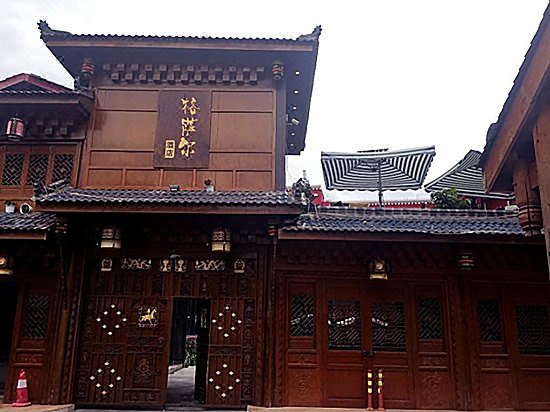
(369, 390)
(381, 390)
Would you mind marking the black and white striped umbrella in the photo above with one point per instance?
(467, 178)
(377, 170)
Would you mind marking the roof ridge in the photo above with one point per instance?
(47, 31)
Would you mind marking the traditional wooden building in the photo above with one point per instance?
(516, 155)
(155, 199)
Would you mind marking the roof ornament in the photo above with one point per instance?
(41, 189)
(313, 36)
(46, 30)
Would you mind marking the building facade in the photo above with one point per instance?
(155, 200)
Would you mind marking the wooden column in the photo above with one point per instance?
(527, 198)
(64, 345)
(541, 140)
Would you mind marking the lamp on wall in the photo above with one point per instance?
(466, 260)
(15, 129)
(6, 265)
(277, 70)
(379, 269)
(221, 240)
(111, 237)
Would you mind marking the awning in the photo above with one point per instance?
(377, 170)
(467, 178)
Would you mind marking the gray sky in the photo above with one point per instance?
(424, 71)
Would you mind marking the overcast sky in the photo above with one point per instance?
(422, 72)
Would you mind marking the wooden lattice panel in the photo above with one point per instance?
(13, 169)
(63, 167)
(38, 168)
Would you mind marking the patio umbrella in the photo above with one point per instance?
(377, 170)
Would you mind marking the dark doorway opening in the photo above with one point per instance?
(188, 352)
(8, 306)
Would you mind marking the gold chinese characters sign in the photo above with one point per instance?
(183, 129)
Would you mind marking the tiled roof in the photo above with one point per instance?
(31, 222)
(164, 197)
(69, 93)
(47, 33)
(467, 178)
(30, 82)
(426, 221)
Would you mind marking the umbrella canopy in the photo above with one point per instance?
(467, 178)
(377, 170)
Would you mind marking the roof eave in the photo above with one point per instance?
(515, 113)
(407, 237)
(23, 235)
(111, 207)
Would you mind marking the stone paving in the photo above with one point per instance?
(181, 385)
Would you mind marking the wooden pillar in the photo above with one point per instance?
(541, 140)
(527, 198)
(65, 340)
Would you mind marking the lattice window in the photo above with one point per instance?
(63, 167)
(490, 326)
(428, 313)
(302, 320)
(38, 168)
(533, 329)
(35, 323)
(13, 169)
(344, 325)
(388, 327)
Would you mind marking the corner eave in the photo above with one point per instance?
(520, 106)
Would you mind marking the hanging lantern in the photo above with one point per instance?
(277, 70)
(466, 261)
(87, 71)
(221, 240)
(110, 237)
(379, 269)
(5, 265)
(15, 129)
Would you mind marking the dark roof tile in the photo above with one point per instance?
(165, 197)
(426, 221)
(35, 221)
(47, 33)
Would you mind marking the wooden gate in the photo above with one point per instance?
(31, 340)
(231, 351)
(338, 330)
(366, 327)
(126, 329)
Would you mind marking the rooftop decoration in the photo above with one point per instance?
(377, 170)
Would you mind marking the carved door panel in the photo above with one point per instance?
(388, 315)
(529, 328)
(231, 352)
(30, 341)
(492, 378)
(433, 377)
(367, 327)
(123, 355)
(344, 340)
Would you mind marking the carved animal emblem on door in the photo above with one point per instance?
(147, 317)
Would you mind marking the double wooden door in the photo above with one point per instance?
(366, 327)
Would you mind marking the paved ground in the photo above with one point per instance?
(181, 385)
